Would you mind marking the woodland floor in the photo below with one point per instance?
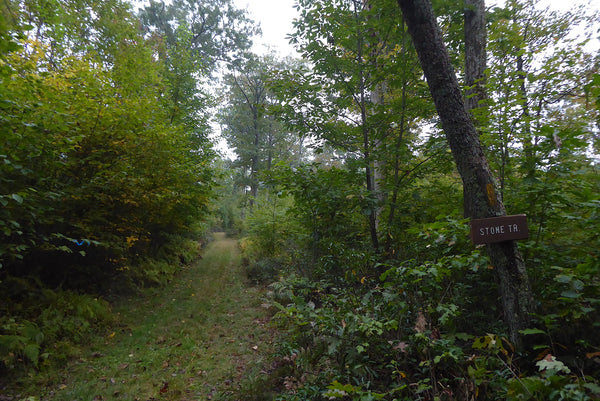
(203, 337)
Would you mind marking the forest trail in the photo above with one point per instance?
(195, 339)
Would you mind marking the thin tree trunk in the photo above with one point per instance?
(369, 180)
(366, 140)
(475, 54)
(377, 97)
(398, 144)
(253, 100)
(470, 161)
(254, 165)
(475, 65)
(528, 150)
(399, 140)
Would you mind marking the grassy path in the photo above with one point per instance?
(196, 339)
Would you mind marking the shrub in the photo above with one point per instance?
(49, 327)
(264, 271)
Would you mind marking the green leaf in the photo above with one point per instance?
(32, 352)
(551, 365)
(463, 336)
(528, 332)
(18, 198)
(571, 294)
(593, 387)
(578, 285)
(488, 341)
(562, 278)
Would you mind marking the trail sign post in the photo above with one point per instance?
(498, 229)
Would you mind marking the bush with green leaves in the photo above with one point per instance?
(269, 231)
(401, 334)
(94, 171)
(20, 342)
(328, 210)
(45, 326)
(104, 177)
(270, 240)
(431, 328)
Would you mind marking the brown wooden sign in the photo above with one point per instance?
(498, 229)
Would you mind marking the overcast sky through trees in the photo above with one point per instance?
(276, 16)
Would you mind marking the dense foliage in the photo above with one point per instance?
(105, 163)
(416, 314)
(343, 190)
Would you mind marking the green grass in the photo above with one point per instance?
(195, 339)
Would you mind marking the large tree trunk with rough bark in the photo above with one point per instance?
(470, 161)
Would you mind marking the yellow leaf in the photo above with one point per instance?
(491, 194)
(131, 240)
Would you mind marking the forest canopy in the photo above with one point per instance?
(348, 190)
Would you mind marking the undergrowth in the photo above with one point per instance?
(430, 328)
(42, 326)
(203, 336)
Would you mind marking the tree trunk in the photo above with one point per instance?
(397, 178)
(366, 139)
(377, 97)
(528, 149)
(475, 54)
(254, 163)
(475, 65)
(470, 161)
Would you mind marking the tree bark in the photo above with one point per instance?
(377, 97)
(470, 160)
(475, 54)
(475, 65)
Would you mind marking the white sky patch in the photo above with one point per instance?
(275, 18)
